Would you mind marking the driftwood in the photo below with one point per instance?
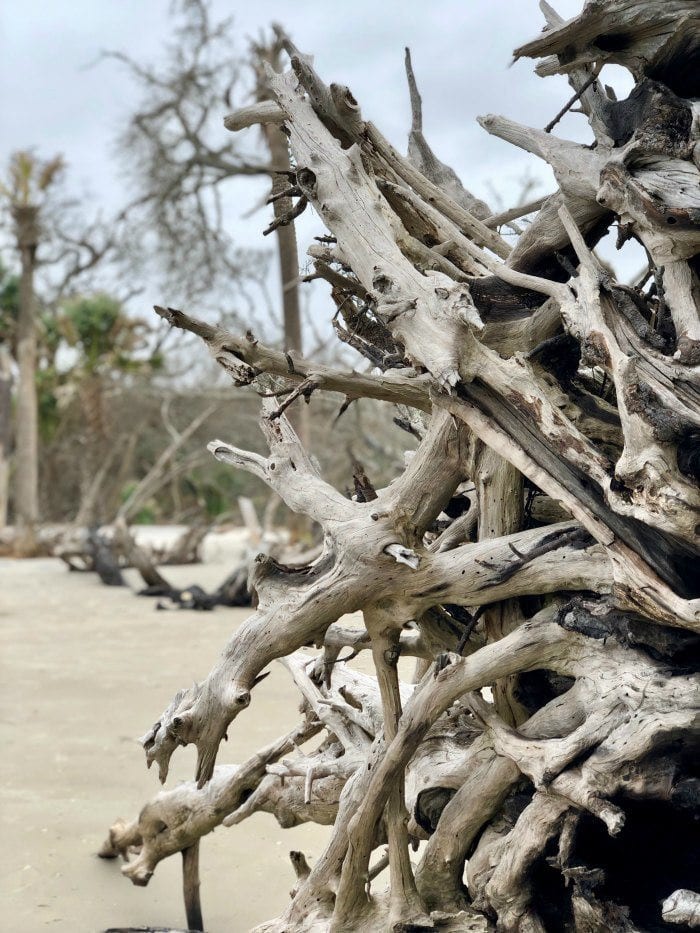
(89, 550)
(541, 542)
(234, 589)
(78, 547)
(107, 551)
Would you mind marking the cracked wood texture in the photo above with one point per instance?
(538, 555)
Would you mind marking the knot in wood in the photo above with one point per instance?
(382, 283)
(391, 655)
(306, 179)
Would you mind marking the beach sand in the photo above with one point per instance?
(86, 669)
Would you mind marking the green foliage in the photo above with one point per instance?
(148, 514)
(50, 336)
(47, 382)
(98, 328)
(93, 320)
(9, 304)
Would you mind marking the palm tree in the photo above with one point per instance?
(28, 181)
(108, 342)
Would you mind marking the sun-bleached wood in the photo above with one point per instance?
(538, 553)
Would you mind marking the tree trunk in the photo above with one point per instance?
(94, 463)
(26, 460)
(5, 432)
(288, 263)
(287, 250)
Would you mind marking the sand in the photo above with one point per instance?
(85, 670)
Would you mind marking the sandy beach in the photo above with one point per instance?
(85, 670)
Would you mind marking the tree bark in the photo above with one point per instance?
(26, 460)
(287, 251)
(5, 432)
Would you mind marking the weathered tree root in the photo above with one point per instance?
(551, 743)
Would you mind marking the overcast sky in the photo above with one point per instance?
(54, 102)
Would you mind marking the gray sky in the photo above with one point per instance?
(54, 102)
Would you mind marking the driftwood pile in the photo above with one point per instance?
(542, 542)
(108, 550)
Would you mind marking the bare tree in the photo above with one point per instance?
(265, 56)
(183, 170)
(180, 164)
(541, 542)
(183, 167)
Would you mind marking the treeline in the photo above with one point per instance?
(94, 388)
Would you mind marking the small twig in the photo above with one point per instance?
(566, 265)
(645, 278)
(305, 388)
(190, 886)
(569, 104)
(343, 408)
(377, 869)
(497, 220)
(466, 635)
(292, 191)
(287, 218)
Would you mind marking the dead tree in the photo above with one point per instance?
(541, 541)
